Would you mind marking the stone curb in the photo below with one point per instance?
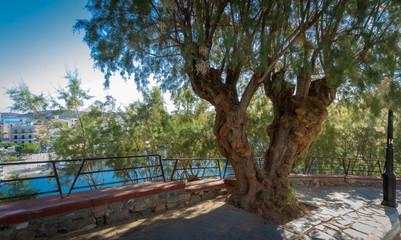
(395, 225)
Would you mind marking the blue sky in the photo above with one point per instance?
(38, 47)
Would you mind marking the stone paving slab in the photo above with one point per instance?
(348, 213)
(342, 213)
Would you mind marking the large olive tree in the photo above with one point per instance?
(301, 52)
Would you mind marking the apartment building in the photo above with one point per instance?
(7, 122)
(21, 134)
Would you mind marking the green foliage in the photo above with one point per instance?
(191, 128)
(28, 148)
(18, 188)
(46, 138)
(354, 42)
(259, 108)
(9, 159)
(7, 144)
(354, 45)
(144, 127)
(290, 198)
(350, 132)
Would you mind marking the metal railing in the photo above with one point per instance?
(156, 165)
(129, 169)
(342, 166)
(153, 167)
(191, 169)
(17, 179)
(229, 171)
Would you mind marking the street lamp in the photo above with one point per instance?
(389, 177)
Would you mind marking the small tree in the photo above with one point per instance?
(28, 148)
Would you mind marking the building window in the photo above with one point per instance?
(30, 141)
(22, 141)
(23, 136)
(30, 136)
(15, 142)
(15, 137)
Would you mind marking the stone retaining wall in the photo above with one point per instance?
(335, 180)
(84, 219)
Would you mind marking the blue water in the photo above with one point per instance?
(50, 184)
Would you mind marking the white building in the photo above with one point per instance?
(21, 134)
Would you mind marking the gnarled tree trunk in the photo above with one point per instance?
(297, 119)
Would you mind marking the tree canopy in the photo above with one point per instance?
(28, 148)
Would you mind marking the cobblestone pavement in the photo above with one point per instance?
(346, 213)
(342, 213)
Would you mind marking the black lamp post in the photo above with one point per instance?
(389, 183)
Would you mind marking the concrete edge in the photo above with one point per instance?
(395, 225)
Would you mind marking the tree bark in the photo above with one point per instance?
(297, 119)
(266, 191)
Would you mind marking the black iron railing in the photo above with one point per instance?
(152, 166)
(228, 169)
(129, 169)
(18, 179)
(190, 169)
(341, 166)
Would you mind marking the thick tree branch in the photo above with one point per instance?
(216, 21)
(250, 90)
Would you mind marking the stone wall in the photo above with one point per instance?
(334, 180)
(63, 224)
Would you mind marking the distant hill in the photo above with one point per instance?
(16, 115)
(29, 115)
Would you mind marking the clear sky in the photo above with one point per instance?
(38, 46)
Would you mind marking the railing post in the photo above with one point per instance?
(344, 167)
(218, 163)
(161, 166)
(57, 180)
(175, 166)
(76, 176)
(225, 169)
(349, 165)
(309, 170)
(389, 177)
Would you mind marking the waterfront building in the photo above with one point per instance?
(7, 122)
(22, 134)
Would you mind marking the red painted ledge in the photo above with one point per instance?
(45, 206)
(315, 176)
(203, 184)
(230, 181)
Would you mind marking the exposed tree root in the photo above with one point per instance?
(275, 214)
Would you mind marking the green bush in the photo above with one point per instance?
(28, 148)
(10, 159)
(7, 144)
(19, 188)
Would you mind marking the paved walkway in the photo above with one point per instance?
(342, 213)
